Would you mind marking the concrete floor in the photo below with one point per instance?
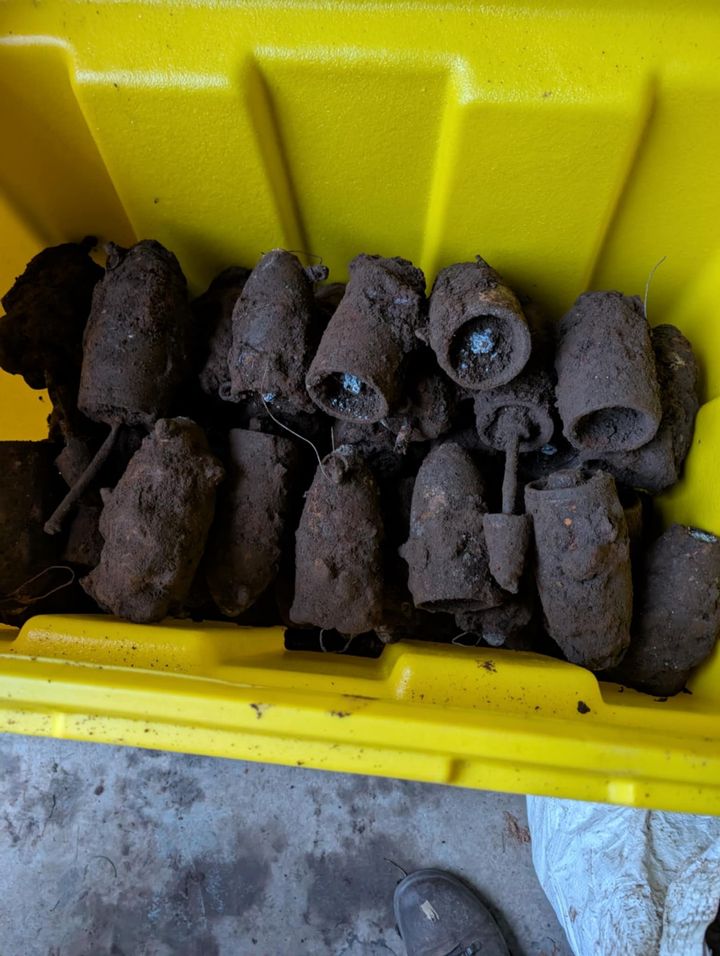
(115, 852)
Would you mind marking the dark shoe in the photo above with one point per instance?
(437, 915)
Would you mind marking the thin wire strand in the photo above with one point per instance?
(649, 280)
(326, 650)
(457, 637)
(60, 587)
(18, 596)
(288, 429)
(52, 567)
(304, 252)
(385, 425)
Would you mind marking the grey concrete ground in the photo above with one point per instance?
(115, 852)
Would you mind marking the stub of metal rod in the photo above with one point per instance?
(582, 565)
(56, 520)
(509, 486)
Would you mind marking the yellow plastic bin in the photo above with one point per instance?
(572, 144)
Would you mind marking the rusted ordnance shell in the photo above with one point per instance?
(46, 312)
(677, 620)
(155, 524)
(358, 371)
(523, 406)
(477, 327)
(607, 390)
(29, 484)
(244, 547)
(657, 465)
(446, 551)
(213, 311)
(135, 353)
(338, 556)
(275, 332)
(582, 565)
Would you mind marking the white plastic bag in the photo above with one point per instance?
(627, 882)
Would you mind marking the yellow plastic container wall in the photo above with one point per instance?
(572, 145)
